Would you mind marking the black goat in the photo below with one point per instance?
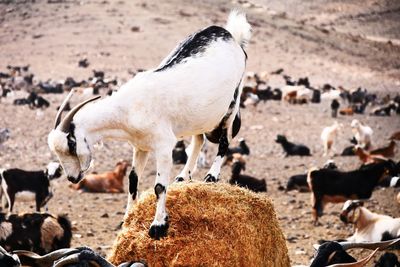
(335, 107)
(246, 181)
(388, 260)
(299, 182)
(179, 155)
(29, 184)
(335, 186)
(292, 149)
(37, 232)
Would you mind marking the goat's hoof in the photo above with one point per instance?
(179, 179)
(210, 179)
(158, 231)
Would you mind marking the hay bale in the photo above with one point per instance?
(210, 225)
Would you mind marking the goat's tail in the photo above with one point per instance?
(238, 26)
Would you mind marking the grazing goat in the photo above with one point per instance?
(369, 226)
(29, 185)
(362, 133)
(336, 186)
(107, 182)
(292, 149)
(179, 155)
(194, 92)
(37, 232)
(246, 181)
(328, 136)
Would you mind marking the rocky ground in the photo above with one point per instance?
(349, 43)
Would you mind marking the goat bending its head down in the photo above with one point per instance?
(194, 92)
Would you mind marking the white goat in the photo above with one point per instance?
(194, 91)
(362, 133)
(328, 136)
(369, 226)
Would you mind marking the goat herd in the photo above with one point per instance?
(44, 233)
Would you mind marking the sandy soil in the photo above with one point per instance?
(350, 43)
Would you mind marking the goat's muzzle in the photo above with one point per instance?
(75, 180)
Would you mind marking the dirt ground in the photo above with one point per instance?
(349, 43)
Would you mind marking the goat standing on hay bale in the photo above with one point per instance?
(194, 92)
(211, 225)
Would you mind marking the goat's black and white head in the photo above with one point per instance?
(53, 170)
(350, 211)
(70, 144)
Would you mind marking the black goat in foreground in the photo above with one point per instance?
(334, 253)
(336, 186)
(246, 181)
(292, 149)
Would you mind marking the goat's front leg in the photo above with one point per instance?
(195, 147)
(213, 173)
(138, 163)
(159, 227)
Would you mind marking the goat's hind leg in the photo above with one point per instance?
(195, 147)
(138, 163)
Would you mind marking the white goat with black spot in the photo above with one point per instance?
(194, 92)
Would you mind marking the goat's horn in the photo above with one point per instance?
(62, 107)
(74, 258)
(64, 126)
(359, 263)
(380, 245)
(27, 257)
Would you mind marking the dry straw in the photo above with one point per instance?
(210, 225)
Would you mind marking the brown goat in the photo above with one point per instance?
(107, 182)
(395, 136)
(387, 151)
(346, 111)
(368, 158)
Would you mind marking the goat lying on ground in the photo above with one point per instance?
(362, 133)
(369, 226)
(336, 186)
(29, 185)
(366, 157)
(209, 66)
(395, 136)
(37, 232)
(82, 256)
(292, 149)
(299, 182)
(107, 182)
(242, 149)
(387, 151)
(246, 181)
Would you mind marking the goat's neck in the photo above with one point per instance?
(102, 120)
(366, 218)
(120, 172)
